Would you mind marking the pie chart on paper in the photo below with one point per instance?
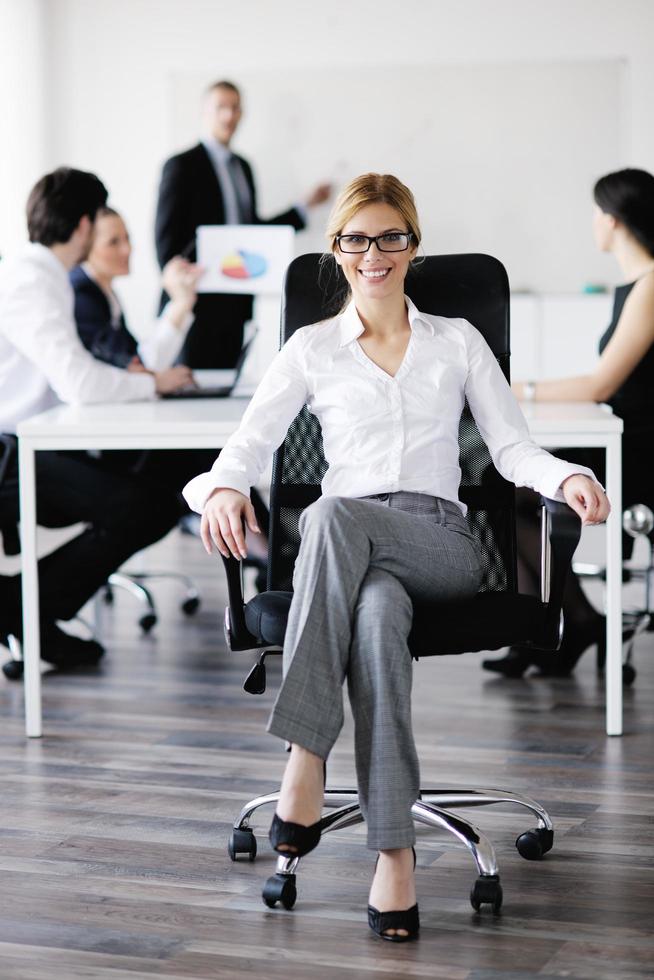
(243, 265)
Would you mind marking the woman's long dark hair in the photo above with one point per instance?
(628, 195)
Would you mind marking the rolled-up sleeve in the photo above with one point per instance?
(279, 397)
(504, 428)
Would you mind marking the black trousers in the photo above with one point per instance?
(123, 513)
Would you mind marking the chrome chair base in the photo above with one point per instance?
(134, 583)
(432, 809)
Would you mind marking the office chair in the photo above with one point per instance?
(475, 287)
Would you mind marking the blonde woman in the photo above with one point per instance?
(387, 384)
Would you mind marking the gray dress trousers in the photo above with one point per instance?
(360, 564)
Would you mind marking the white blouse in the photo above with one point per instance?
(380, 433)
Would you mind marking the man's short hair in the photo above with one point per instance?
(223, 83)
(59, 201)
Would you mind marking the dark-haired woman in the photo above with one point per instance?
(623, 224)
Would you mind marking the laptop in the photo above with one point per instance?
(219, 382)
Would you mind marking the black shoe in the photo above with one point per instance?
(294, 835)
(514, 664)
(407, 919)
(575, 643)
(68, 652)
(301, 839)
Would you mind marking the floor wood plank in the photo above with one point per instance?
(113, 827)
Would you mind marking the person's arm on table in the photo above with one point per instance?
(49, 339)
(631, 340)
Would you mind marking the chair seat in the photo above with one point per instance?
(489, 621)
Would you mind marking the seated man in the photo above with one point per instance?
(43, 363)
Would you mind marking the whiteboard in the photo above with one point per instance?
(501, 157)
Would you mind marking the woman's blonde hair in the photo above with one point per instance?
(372, 189)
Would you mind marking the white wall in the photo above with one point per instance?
(112, 66)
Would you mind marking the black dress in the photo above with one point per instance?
(633, 402)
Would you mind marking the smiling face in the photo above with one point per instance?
(111, 249)
(375, 274)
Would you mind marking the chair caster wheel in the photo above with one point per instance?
(534, 843)
(13, 670)
(242, 842)
(108, 597)
(280, 888)
(486, 891)
(147, 622)
(628, 675)
(191, 606)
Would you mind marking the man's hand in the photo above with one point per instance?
(136, 365)
(318, 195)
(172, 379)
(586, 498)
(222, 522)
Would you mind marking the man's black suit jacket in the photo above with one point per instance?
(189, 196)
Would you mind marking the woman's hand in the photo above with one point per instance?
(222, 522)
(172, 379)
(586, 498)
(180, 279)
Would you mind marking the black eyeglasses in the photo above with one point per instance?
(390, 241)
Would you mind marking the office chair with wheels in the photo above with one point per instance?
(637, 522)
(475, 287)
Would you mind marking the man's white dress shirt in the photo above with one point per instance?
(42, 360)
(380, 433)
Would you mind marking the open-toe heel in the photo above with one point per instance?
(408, 919)
(295, 839)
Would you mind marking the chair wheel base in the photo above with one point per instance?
(13, 670)
(486, 891)
(280, 888)
(242, 842)
(533, 844)
(147, 622)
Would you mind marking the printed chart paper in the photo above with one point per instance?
(244, 258)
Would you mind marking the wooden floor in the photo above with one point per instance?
(113, 826)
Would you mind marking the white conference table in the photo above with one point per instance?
(557, 425)
(202, 423)
(207, 424)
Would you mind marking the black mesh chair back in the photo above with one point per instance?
(471, 286)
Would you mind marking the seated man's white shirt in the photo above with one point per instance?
(42, 360)
(382, 434)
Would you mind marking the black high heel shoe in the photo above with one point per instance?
(407, 919)
(514, 664)
(295, 835)
(561, 663)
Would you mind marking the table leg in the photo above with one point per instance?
(30, 590)
(614, 588)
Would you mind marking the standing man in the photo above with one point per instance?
(210, 185)
(43, 363)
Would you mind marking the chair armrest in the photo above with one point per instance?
(560, 533)
(237, 635)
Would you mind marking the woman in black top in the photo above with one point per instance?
(623, 378)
